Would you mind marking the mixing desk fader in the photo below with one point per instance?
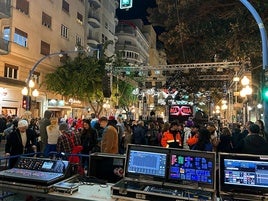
(36, 170)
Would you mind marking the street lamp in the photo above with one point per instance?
(27, 93)
(245, 92)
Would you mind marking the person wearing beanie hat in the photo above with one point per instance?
(21, 141)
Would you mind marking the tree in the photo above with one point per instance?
(80, 78)
(196, 30)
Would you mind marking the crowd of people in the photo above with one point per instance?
(112, 135)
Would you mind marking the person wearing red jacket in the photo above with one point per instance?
(172, 137)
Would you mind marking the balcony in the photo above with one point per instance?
(4, 46)
(95, 3)
(5, 8)
(94, 22)
(93, 41)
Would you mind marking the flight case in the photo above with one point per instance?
(156, 173)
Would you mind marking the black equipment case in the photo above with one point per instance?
(156, 173)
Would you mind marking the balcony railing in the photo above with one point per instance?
(3, 46)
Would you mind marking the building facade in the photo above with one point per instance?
(34, 30)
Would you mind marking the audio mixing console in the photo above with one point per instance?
(36, 171)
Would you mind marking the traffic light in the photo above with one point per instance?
(265, 93)
(125, 4)
(26, 102)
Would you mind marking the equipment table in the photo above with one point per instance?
(88, 192)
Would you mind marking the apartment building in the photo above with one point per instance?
(101, 25)
(32, 30)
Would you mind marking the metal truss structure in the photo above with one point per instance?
(189, 76)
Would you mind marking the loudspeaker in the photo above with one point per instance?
(106, 86)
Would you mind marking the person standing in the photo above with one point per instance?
(21, 141)
(139, 133)
(42, 127)
(109, 142)
(204, 141)
(67, 140)
(172, 138)
(89, 141)
(3, 126)
(225, 144)
(53, 134)
(253, 143)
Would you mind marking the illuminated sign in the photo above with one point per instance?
(180, 112)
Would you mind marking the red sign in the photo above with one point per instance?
(180, 110)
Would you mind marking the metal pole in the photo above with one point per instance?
(264, 53)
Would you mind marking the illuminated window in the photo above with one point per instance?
(20, 37)
(79, 18)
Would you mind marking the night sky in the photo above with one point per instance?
(138, 11)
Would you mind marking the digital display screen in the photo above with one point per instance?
(192, 166)
(47, 165)
(244, 173)
(147, 162)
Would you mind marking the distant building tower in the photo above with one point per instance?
(101, 25)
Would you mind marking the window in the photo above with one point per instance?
(65, 6)
(20, 37)
(6, 33)
(36, 77)
(46, 20)
(64, 31)
(127, 42)
(79, 17)
(78, 40)
(103, 38)
(45, 48)
(23, 6)
(11, 71)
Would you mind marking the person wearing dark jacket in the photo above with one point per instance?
(204, 142)
(43, 132)
(139, 132)
(89, 141)
(253, 143)
(225, 144)
(21, 141)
